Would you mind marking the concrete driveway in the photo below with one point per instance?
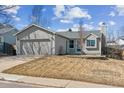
(10, 61)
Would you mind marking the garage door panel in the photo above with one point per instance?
(35, 48)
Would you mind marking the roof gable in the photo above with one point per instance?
(122, 37)
(6, 29)
(90, 35)
(33, 25)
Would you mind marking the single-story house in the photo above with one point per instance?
(36, 40)
(7, 39)
(120, 40)
(111, 43)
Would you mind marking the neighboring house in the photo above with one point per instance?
(111, 43)
(120, 42)
(7, 39)
(36, 40)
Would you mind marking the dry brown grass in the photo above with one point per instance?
(109, 71)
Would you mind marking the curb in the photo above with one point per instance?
(48, 82)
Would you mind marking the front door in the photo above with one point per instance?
(71, 47)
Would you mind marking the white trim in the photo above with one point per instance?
(91, 34)
(95, 38)
(76, 46)
(91, 46)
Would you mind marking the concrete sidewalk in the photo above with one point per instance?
(10, 61)
(49, 82)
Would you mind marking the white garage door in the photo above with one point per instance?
(35, 47)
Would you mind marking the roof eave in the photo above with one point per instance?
(35, 26)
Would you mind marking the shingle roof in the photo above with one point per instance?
(74, 34)
(5, 28)
(122, 37)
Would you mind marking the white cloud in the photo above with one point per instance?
(49, 27)
(69, 13)
(112, 13)
(77, 12)
(62, 30)
(44, 9)
(75, 27)
(112, 23)
(13, 10)
(88, 27)
(58, 10)
(16, 18)
(91, 22)
(100, 23)
(120, 10)
(66, 21)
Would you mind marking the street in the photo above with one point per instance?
(8, 84)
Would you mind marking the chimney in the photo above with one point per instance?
(70, 30)
(103, 28)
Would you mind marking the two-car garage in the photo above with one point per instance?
(35, 47)
(35, 40)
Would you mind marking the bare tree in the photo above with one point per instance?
(122, 31)
(81, 30)
(38, 17)
(4, 16)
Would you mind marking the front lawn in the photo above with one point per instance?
(109, 71)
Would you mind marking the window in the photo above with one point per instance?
(78, 45)
(0, 39)
(90, 42)
(71, 44)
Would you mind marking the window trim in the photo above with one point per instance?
(77, 46)
(90, 43)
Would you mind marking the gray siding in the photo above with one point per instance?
(60, 45)
(9, 37)
(8, 41)
(93, 50)
(33, 42)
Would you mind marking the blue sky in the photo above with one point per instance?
(61, 18)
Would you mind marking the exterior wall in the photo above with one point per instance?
(9, 37)
(35, 33)
(60, 45)
(88, 50)
(8, 40)
(95, 49)
(120, 42)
